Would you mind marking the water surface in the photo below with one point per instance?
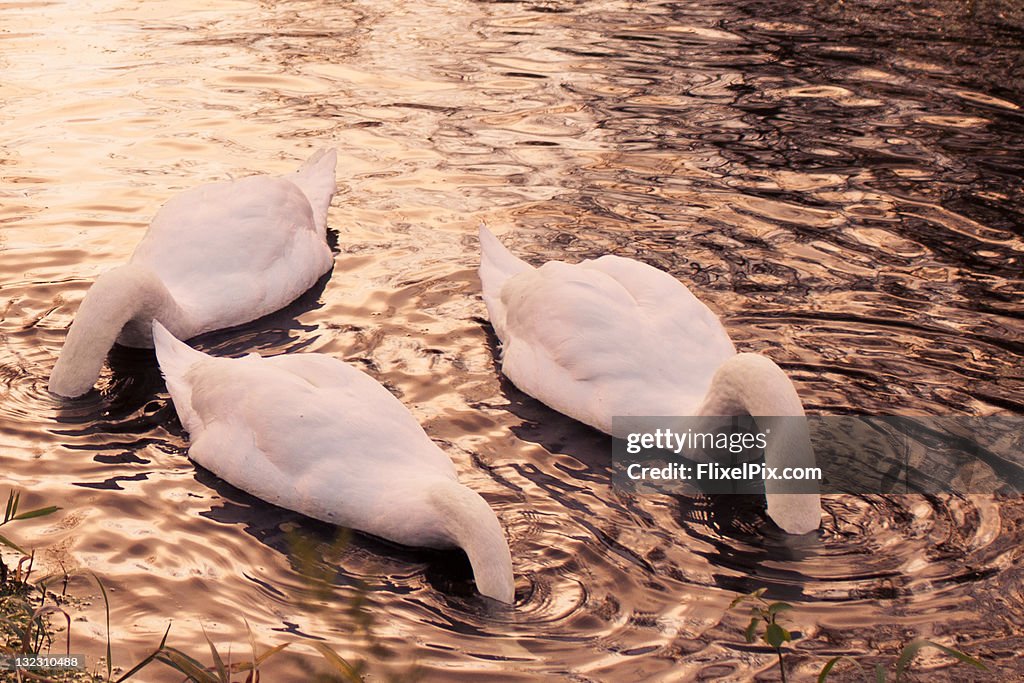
(843, 187)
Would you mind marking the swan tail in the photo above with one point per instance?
(176, 358)
(316, 179)
(497, 264)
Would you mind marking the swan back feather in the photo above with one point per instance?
(610, 336)
(235, 251)
(214, 256)
(616, 337)
(318, 436)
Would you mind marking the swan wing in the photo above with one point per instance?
(226, 447)
(610, 337)
(234, 251)
(306, 431)
(307, 412)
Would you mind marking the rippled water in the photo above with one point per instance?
(843, 186)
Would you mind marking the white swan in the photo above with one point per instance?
(313, 434)
(215, 256)
(614, 336)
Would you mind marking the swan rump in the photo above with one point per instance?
(214, 256)
(313, 434)
(616, 337)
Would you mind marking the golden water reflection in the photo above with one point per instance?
(850, 214)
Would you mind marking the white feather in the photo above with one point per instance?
(214, 256)
(318, 436)
(616, 337)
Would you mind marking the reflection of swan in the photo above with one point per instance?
(614, 336)
(215, 256)
(313, 434)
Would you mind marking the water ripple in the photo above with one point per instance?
(842, 187)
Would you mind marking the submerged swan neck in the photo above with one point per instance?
(117, 297)
(751, 384)
(472, 525)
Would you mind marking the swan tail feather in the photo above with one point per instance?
(316, 179)
(497, 264)
(176, 358)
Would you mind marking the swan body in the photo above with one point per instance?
(313, 434)
(214, 256)
(616, 337)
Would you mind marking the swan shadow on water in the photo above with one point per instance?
(742, 538)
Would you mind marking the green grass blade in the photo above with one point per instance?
(106, 609)
(38, 512)
(163, 641)
(148, 660)
(176, 659)
(252, 648)
(339, 663)
(139, 667)
(270, 653)
(911, 650)
(831, 664)
(11, 544)
(218, 663)
(12, 506)
(254, 665)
